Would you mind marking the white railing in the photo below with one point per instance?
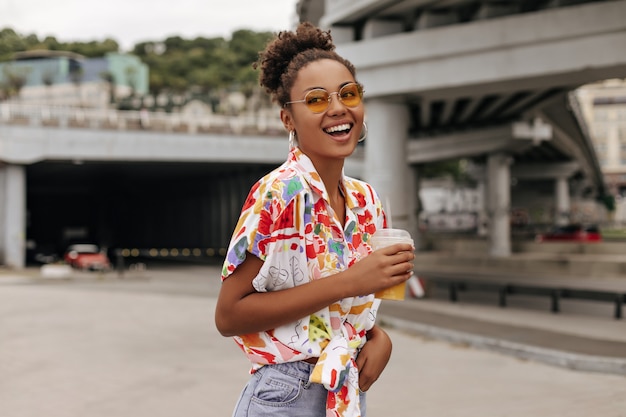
(263, 122)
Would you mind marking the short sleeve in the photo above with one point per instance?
(267, 224)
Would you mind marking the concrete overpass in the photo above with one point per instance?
(486, 80)
(97, 174)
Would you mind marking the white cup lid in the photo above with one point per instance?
(392, 233)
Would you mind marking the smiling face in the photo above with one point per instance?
(333, 133)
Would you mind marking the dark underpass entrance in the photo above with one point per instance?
(187, 208)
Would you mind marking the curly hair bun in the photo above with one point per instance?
(286, 54)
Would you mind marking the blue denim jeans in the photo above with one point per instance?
(283, 390)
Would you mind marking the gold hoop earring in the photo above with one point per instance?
(293, 139)
(363, 134)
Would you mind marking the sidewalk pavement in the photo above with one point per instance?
(584, 335)
(94, 345)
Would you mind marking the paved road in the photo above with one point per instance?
(146, 346)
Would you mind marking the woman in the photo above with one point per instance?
(299, 275)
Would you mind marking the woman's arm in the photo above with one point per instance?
(241, 310)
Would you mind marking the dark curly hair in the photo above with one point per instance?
(286, 54)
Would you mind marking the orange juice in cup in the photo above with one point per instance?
(387, 237)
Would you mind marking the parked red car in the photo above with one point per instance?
(572, 233)
(87, 257)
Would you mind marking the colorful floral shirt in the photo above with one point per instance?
(287, 222)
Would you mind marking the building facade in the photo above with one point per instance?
(604, 108)
(65, 78)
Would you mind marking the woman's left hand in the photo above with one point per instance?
(373, 357)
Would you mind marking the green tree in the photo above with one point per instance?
(246, 45)
(91, 49)
(47, 78)
(608, 200)
(108, 77)
(206, 79)
(50, 43)
(453, 168)
(206, 66)
(10, 42)
(14, 81)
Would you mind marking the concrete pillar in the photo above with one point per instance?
(413, 209)
(479, 174)
(341, 34)
(13, 216)
(482, 217)
(385, 158)
(562, 202)
(3, 203)
(499, 204)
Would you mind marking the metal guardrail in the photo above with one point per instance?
(135, 258)
(261, 123)
(506, 288)
(170, 253)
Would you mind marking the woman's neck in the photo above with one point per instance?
(332, 183)
(330, 171)
(331, 174)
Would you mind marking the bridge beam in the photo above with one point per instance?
(544, 171)
(463, 145)
(26, 145)
(434, 62)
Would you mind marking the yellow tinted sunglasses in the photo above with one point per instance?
(318, 99)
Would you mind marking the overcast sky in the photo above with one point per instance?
(133, 21)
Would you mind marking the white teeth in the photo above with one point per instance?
(338, 128)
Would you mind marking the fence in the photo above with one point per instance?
(261, 123)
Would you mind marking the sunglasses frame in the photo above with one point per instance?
(359, 87)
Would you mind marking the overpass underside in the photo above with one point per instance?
(466, 67)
